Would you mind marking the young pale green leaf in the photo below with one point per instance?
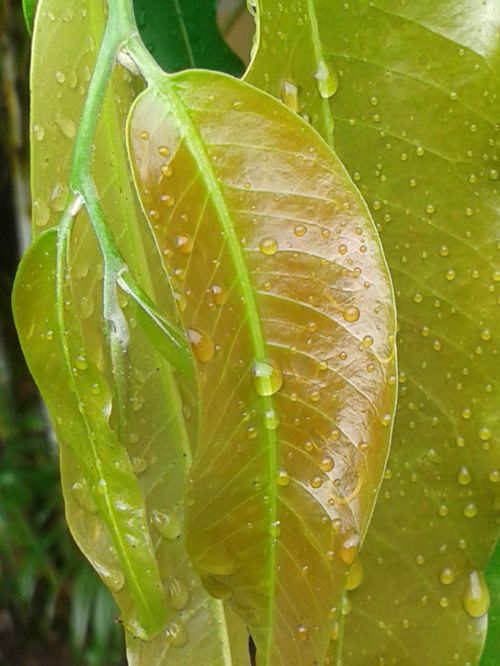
(286, 299)
(416, 123)
(183, 34)
(160, 416)
(79, 399)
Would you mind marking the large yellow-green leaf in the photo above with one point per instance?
(160, 412)
(286, 300)
(416, 119)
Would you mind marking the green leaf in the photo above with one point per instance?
(79, 399)
(154, 413)
(490, 653)
(286, 299)
(29, 9)
(183, 34)
(416, 123)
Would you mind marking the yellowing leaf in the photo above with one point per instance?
(285, 298)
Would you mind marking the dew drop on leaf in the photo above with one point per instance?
(267, 377)
(184, 244)
(219, 295)
(349, 547)
(268, 246)
(176, 634)
(289, 95)
(464, 476)
(447, 576)
(271, 419)
(178, 593)
(351, 313)
(201, 344)
(302, 632)
(166, 525)
(476, 596)
(355, 575)
(283, 478)
(326, 80)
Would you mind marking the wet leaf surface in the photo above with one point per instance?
(416, 124)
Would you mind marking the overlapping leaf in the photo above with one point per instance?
(158, 415)
(416, 123)
(286, 300)
(183, 34)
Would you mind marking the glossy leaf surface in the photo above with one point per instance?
(29, 8)
(286, 300)
(183, 34)
(154, 427)
(416, 123)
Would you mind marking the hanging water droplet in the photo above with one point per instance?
(114, 579)
(268, 246)
(326, 80)
(201, 344)
(349, 547)
(355, 575)
(351, 313)
(178, 593)
(290, 96)
(176, 634)
(470, 510)
(476, 596)
(166, 525)
(267, 377)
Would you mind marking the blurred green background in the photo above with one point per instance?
(53, 608)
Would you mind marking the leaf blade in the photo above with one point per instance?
(198, 220)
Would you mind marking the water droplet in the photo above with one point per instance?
(447, 575)
(271, 419)
(184, 244)
(268, 246)
(450, 275)
(289, 95)
(476, 596)
(144, 135)
(114, 579)
(444, 602)
(444, 250)
(486, 334)
(494, 174)
(327, 463)
(283, 478)
(267, 377)
(66, 125)
(60, 77)
(349, 547)
(494, 475)
(178, 593)
(302, 632)
(81, 362)
(139, 464)
(166, 525)
(176, 634)
(464, 476)
(316, 481)
(219, 295)
(351, 313)
(326, 80)
(83, 496)
(275, 529)
(470, 510)
(355, 575)
(201, 344)
(466, 413)
(367, 341)
(299, 230)
(38, 132)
